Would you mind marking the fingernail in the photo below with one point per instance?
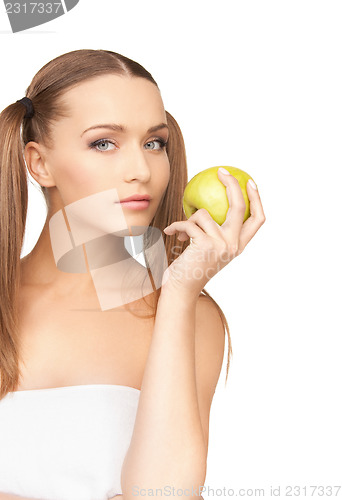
(252, 184)
(224, 171)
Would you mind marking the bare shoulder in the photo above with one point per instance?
(209, 354)
(210, 331)
(208, 314)
(209, 341)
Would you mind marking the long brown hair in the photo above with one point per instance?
(45, 91)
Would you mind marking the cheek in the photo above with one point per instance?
(75, 177)
(163, 176)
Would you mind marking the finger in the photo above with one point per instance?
(256, 219)
(182, 236)
(188, 227)
(255, 205)
(204, 220)
(237, 205)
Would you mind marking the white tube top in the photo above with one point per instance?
(66, 443)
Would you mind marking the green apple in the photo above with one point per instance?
(205, 190)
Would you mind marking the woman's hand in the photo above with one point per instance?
(213, 246)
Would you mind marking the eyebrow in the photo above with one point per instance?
(121, 128)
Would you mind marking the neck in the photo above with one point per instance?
(75, 265)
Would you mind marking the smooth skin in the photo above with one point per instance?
(73, 170)
(132, 162)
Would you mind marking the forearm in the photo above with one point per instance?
(167, 446)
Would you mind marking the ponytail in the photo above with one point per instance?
(13, 210)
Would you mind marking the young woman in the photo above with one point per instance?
(97, 401)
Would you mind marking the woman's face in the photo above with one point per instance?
(92, 155)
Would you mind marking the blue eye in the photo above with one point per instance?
(102, 144)
(161, 142)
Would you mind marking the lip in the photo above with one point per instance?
(136, 204)
(136, 197)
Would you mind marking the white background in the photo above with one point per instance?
(256, 85)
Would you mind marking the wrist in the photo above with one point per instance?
(173, 294)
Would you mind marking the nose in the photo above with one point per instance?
(136, 165)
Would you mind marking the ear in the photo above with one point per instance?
(35, 155)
